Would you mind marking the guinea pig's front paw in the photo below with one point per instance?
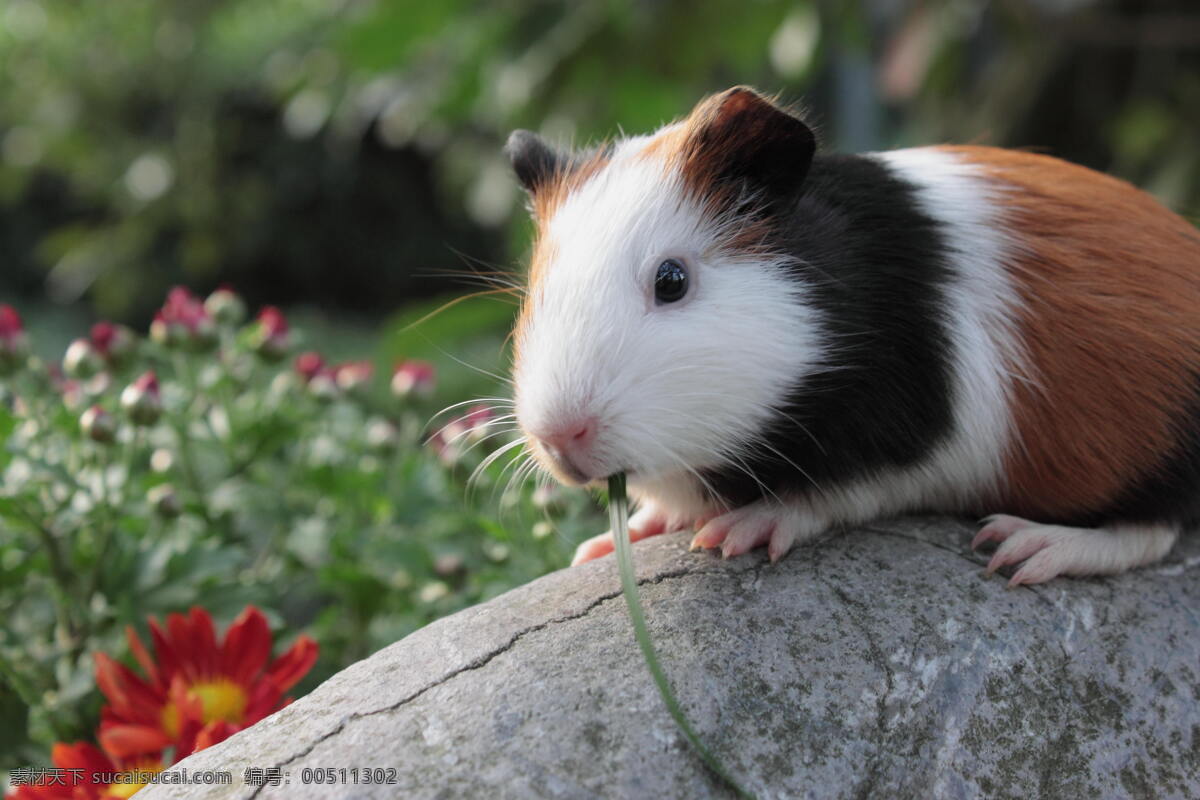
(645, 522)
(1047, 551)
(777, 525)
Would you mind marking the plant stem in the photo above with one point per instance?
(618, 509)
(12, 676)
(63, 606)
(104, 540)
(180, 426)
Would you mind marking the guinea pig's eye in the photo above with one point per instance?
(670, 282)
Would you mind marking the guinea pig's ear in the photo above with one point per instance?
(741, 136)
(534, 161)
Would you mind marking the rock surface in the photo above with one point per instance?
(878, 664)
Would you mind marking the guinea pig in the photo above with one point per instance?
(773, 342)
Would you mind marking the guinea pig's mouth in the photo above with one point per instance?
(563, 466)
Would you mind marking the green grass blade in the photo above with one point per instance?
(618, 511)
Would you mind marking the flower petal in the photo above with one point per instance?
(129, 741)
(180, 631)
(142, 655)
(247, 647)
(204, 639)
(262, 702)
(80, 755)
(290, 667)
(168, 657)
(213, 733)
(130, 697)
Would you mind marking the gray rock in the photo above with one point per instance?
(878, 664)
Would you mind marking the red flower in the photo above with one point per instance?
(271, 336)
(183, 320)
(113, 342)
(199, 690)
(13, 343)
(82, 773)
(308, 364)
(413, 377)
(353, 375)
(10, 322)
(472, 425)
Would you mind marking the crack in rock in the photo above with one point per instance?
(483, 660)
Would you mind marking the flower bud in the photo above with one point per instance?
(413, 378)
(165, 501)
(308, 364)
(448, 565)
(164, 332)
(82, 360)
(115, 343)
(478, 419)
(433, 591)
(270, 336)
(162, 460)
(14, 345)
(73, 394)
(323, 385)
(353, 375)
(142, 400)
(282, 385)
(226, 306)
(98, 425)
(382, 436)
(547, 496)
(183, 320)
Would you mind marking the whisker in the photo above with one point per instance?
(503, 402)
(493, 456)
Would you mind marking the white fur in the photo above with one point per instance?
(981, 301)
(986, 355)
(674, 387)
(1046, 551)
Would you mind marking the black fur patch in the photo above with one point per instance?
(875, 267)
(1171, 493)
(533, 161)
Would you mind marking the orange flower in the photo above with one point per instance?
(199, 691)
(83, 772)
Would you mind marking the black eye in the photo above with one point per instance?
(670, 282)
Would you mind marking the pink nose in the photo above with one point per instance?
(568, 445)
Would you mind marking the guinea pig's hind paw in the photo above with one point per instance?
(1047, 551)
(999, 527)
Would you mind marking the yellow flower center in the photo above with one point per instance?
(128, 788)
(220, 699)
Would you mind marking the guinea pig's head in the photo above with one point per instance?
(663, 324)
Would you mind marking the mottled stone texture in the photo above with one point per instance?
(879, 664)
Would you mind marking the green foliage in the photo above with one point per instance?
(319, 503)
(354, 146)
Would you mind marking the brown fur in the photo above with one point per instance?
(698, 148)
(1110, 282)
(551, 194)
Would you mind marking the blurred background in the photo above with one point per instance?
(345, 154)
